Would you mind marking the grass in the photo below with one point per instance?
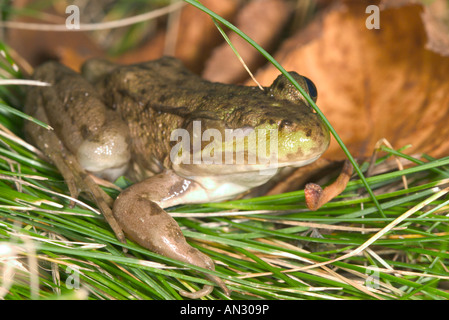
(265, 248)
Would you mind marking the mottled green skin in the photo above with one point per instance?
(159, 96)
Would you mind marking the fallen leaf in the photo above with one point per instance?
(263, 21)
(196, 36)
(437, 27)
(373, 83)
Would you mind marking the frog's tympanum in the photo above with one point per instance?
(177, 136)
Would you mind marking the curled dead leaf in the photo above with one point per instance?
(262, 20)
(195, 36)
(373, 83)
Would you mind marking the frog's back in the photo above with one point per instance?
(153, 98)
(156, 97)
(165, 85)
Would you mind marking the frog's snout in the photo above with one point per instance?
(303, 140)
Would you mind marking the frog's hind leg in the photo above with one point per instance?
(139, 213)
(74, 175)
(150, 226)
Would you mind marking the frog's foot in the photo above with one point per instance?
(149, 225)
(316, 196)
(78, 180)
(207, 289)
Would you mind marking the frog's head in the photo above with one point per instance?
(271, 129)
(302, 135)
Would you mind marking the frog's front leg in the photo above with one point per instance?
(86, 134)
(139, 212)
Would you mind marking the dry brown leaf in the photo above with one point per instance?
(437, 28)
(196, 38)
(262, 21)
(373, 84)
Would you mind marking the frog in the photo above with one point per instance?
(179, 138)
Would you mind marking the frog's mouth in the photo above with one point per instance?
(207, 169)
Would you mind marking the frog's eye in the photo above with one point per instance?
(313, 93)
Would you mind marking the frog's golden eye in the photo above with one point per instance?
(313, 92)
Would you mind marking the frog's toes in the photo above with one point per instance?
(149, 225)
(207, 289)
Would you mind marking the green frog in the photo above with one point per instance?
(180, 138)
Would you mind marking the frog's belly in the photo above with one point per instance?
(224, 187)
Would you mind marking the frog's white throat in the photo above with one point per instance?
(225, 184)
